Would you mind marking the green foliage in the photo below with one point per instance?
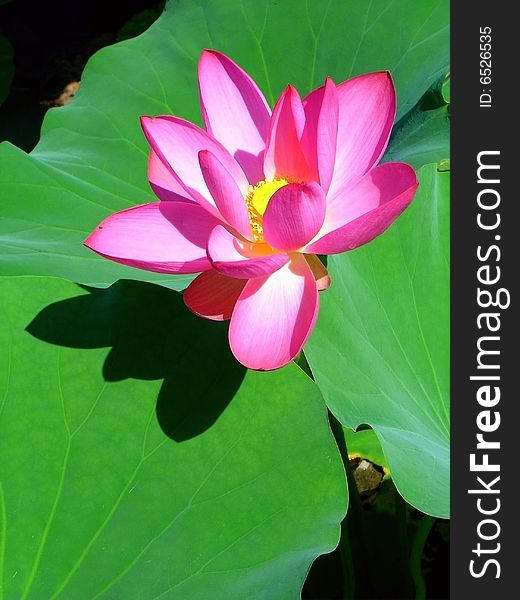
(422, 135)
(139, 460)
(91, 160)
(380, 349)
(364, 443)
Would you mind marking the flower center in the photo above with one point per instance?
(257, 199)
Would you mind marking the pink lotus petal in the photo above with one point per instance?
(228, 198)
(274, 316)
(213, 296)
(166, 237)
(315, 189)
(366, 115)
(321, 131)
(294, 216)
(368, 208)
(240, 259)
(163, 183)
(321, 275)
(177, 143)
(235, 111)
(284, 155)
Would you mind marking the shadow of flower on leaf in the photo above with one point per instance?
(151, 336)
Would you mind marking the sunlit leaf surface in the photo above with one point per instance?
(91, 160)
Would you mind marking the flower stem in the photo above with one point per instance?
(401, 517)
(353, 543)
(419, 542)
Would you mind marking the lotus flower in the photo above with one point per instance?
(251, 200)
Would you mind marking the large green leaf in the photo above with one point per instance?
(159, 468)
(91, 159)
(364, 443)
(380, 350)
(422, 135)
